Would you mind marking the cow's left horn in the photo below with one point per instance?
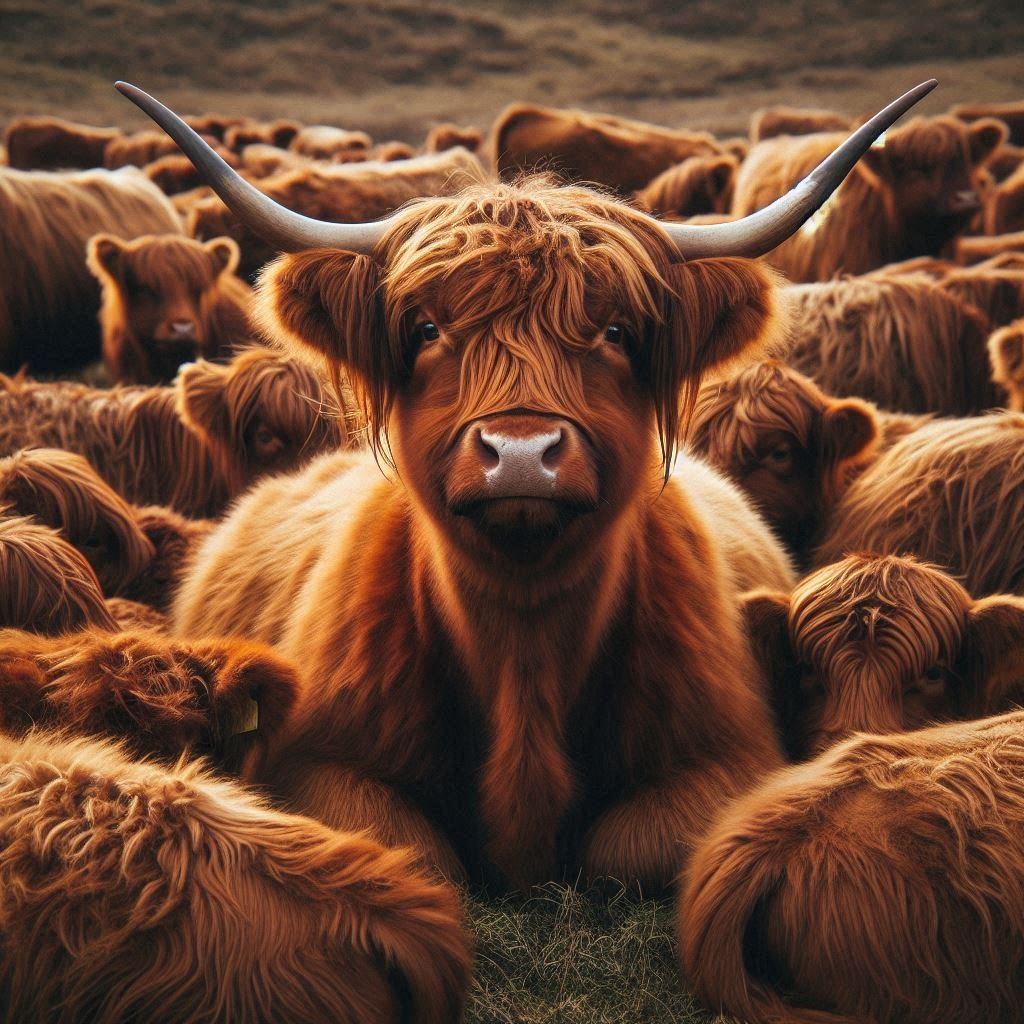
(280, 227)
(762, 231)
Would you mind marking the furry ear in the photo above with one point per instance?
(1006, 352)
(766, 614)
(849, 433)
(225, 254)
(984, 137)
(103, 255)
(722, 174)
(201, 402)
(994, 655)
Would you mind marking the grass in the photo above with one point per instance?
(559, 956)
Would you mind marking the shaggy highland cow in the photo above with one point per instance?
(996, 287)
(195, 900)
(774, 121)
(881, 643)
(537, 622)
(53, 144)
(700, 184)
(167, 301)
(1004, 208)
(880, 882)
(225, 425)
(907, 197)
(48, 299)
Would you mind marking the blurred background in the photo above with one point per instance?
(394, 67)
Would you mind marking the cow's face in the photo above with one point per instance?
(166, 286)
(931, 166)
(520, 348)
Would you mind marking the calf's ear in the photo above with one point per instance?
(103, 255)
(849, 434)
(225, 254)
(984, 137)
(994, 655)
(1006, 352)
(202, 404)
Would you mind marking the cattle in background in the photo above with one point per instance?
(900, 341)
(882, 644)
(1006, 357)
(215, 125)
(700, 184)
(542, 603)
(167, 300)
(53, 144)
(49, 301)
(144, 147)
(996, 287)
(1011, 114)
(972, 249)
(273, 133)
(1004, 207)
(48, 586)
(951, 493)
(225, 425)
(172, 174)
(170, 888)
(348, 192)
(325, 142)
(907, 197)
(1004, 161)
(448, 136)
(880, 882)
(774, 121)
(612, 151)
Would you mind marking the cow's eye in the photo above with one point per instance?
(615, 334)
(426, 332)
(779, 458)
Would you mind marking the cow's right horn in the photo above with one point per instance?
(280, 227)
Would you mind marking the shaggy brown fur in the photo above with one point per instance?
(356, 192)
(193, 446)
(623, 155)
(146, 146)
(217, 125)
(902, 342)
(222, 698)
(48, 587)
(173, 174)
(907, 197)
(1011, 114)
(263, 161)
(131, 615)
(998, 291)
(774, 121)
(792, 448)
(1006, 356)
(48, 298)
(448, 136)
(325, 142)
(1004, 162)
(978, 248)
(1004, 209)
(701, 184)
(883, 644)
(951, 493)
(880, 882)
(166, 301)
(271, 133)
(53, 144)
(519, 687)
(130, 891)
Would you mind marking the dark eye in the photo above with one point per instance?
(427, 332)
(934, 674)
(779, 458)
(615, 334)
(265, 443)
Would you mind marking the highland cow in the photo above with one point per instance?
(132, 891)
(143, 148)
(167, 301)
(173, 174)
(612, 151)
(325, 142)
(1011, 114)
(348, 193)
(909, 196)
(191, 447)
(882, 643)
(951, 493)
(48, 299)
(1006, 356)
(274, 133)
(533, 616)
(996, 287)
(880, 882)
(903, 342)
(771, 122)
(53, 144)
(1004, 208)
(448, 136)
(700, 184)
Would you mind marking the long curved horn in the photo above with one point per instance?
(280, 227)
(762, 231)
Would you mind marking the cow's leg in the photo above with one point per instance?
(349, 801)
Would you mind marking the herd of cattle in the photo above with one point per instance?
(534, 531)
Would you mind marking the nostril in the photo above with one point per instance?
(552, 455)
(183, 327)
(486, 451)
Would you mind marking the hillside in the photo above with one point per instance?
(393, 68)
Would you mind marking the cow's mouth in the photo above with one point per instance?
(522, 527)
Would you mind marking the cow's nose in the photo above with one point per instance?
(964, 201)
(183, 328)
(520, 466)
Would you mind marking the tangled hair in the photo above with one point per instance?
(998, 291)
(63, 491)
(48, 298)
(901, 342)
(52, 143)
(978, 248)
(950, 493)
(163, 697)
(48, 587)
(1004, 211)
(700, 184)
(174, 538)
(880, 882)
(1006, 357)
(498, 264)
(150, 914)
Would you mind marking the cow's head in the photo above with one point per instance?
(884, 644)
(163, 289)
(790, 446)
(519, 349)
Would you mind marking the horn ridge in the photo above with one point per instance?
(280, 227)
(760, 232)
